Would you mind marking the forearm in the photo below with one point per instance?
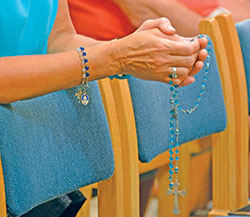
(183, 19)
(24, 77)
(70, 41)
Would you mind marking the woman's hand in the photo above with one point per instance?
(151, 55)
(162, 24)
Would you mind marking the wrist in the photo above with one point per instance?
(116, 53)
(102, 60)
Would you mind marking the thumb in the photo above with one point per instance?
(161, 23)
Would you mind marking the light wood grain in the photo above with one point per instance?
(110, 193)
(238, 79)
(2, 194)
(127, 128)
(85, 209)
(224, 143)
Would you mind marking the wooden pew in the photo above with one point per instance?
(227, 171)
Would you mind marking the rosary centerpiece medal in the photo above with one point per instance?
(174, 131)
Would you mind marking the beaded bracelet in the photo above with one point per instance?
(82, 92)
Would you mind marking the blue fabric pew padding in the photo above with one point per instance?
(51, 145)
(243, 29)
(151, 108)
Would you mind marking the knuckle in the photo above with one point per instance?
(188, 49)
(159, 45)
(185, 73)
(147, 21)
(190, 61)
(159, 62)
(164, 20)
(177, 81)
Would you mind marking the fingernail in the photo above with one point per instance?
(169, 27)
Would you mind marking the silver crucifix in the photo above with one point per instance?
(176, 193)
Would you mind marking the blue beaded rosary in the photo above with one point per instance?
(174, 130)
(82, 92)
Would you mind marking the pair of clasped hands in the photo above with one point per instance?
(155, 48)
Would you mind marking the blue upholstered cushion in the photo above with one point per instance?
(52, 145)
(151, 108)
(244, 32)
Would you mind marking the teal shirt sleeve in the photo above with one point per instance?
(25, 26)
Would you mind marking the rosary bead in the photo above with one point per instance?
(171, 172)
(172, 111)
(171, 166)
(174, 126)
(172, 88)
(171, 185)
(176, 169)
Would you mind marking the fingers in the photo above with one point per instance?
(203, 55)
(165, 26)
(182, 48)
(161, 23)
(197, 67)
(199, 64)
(182, 61)
(187, 81)
(203, 42)
(181, 72)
